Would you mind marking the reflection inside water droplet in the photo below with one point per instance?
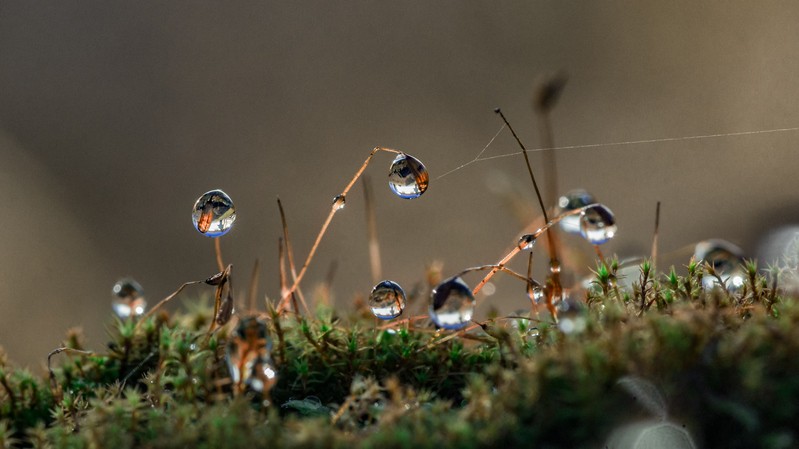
(213, 214)
(452, 304)
(573, 200)
(526, 242)
(248, 357)
(726, 260)
(407, 177)
(339, 202)
(128, 299)
(597, 224)
(387, 300)
(536, 294)
(571, 315)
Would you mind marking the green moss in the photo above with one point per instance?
(724, 364)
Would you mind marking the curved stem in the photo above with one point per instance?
(333, 209)
(164, 301)
(496, 268)
(516, 249)
(290, 256)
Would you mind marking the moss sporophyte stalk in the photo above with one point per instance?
(630, 357)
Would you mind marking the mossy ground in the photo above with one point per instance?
(720, 365)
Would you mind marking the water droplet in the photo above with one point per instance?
(527, 242)
(387, 300)
(597, 224)
(573, 200)
(726, 260)
(213, 214)
(248, 357)
(571, 316)
(536, 294)
(339, 202)
(128, 298)
(452, 304)
(407, 177)
(721, 254)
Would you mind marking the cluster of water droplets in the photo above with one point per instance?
(408, 177)
(452, 304)
(128, 298)
(387, 300)
(213, 213)
(248, 357)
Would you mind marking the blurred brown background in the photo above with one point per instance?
(116, 116)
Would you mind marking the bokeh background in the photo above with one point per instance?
(115, 116)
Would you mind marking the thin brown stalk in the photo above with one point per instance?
(516, 249)
(290, 256)
(218, 252)
(654, 255)
(555, 289)
(397, 323)
(333, 209)
(599, 254)
(253, 290)
(55, 352)
(371, 231)
(281, 258)
(164, 301)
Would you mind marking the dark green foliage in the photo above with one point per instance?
(722, 365)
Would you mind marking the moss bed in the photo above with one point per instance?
(719, 367)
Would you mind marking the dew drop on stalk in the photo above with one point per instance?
(213, 213)
(573, 200)
(339, 202)
(248, 357)
(452, 304)
(597, 224)
(407, 177)
(128, 298)
(536, 294)
(387, 300)
(527, 242)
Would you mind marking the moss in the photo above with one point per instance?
(720, 363)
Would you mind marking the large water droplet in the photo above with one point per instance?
(597, 224)
(726, 260)
(573, 200)
(387, 300)
(527, 242)
(248, 359)
(213, 214)
(452, 304)
(128, 298)
(407, 177)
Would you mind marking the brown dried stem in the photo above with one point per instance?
(333, 209)
(290, 256)
(218, 252)
(371, 231)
